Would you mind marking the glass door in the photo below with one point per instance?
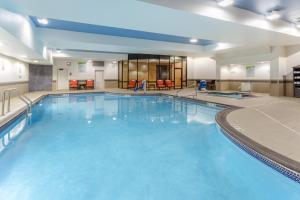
(125, 74)
(178, 78)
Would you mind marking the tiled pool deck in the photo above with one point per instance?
(273, 122)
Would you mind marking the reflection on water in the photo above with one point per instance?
(157, 110)
(7, 137)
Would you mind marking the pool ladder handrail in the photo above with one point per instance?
(28, 102)
(6, 92)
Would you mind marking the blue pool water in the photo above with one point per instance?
(103, 146)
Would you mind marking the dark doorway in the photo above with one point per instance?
(162, 72)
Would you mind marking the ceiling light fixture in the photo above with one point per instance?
(23, 56)
(58, 51)
(273, 15)
(297, 24)
(43, 21)
(1, 43)
(225, 3)
(193, 40)
(35, 61)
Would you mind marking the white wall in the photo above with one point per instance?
(20, 28)
(12, 70)
(206, 68)
(110, 69)
(232, 65)
(238, 72)
(201, 68)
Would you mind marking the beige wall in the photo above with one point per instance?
(22, 87)
(111, 83)
(262, 86)
(289, 89)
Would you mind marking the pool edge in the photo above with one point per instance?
(286, 166)
(18, 113)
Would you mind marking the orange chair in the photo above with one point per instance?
(73, 84)
(160, 84)
(169, 84)
(132, 84)
(90, 84)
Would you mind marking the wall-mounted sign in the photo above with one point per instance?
(250, 70)
(81, 66)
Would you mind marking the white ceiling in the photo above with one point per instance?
(230, 27)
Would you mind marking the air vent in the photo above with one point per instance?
(98, 63)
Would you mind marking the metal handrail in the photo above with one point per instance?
(3, 104)
(27, 101)
(30, 102)
(6, 92)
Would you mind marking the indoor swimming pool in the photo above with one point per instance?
(109, 146)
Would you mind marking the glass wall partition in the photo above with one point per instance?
(184, 72)
(152, 68)
(133, 70)
(178, 72)
(143, 69)
(120, 74)
(163, 69)
(125, 74)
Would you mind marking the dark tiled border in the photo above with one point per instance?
(280, 163)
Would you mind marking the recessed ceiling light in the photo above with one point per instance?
(273, 15)
(263, 62)
(23, 56)
(43, 21)
(225, 3)
(297, 24)
(193, 40)
(35, 61)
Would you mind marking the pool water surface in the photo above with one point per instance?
(105, 146)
